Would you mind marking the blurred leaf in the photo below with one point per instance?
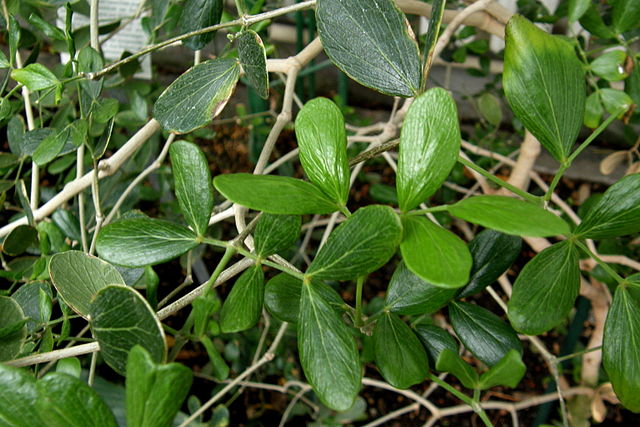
(626, 15)
(610, 65)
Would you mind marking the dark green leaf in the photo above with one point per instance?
(322, 140)
(242, 308)
(429, 146)
(120, 319)
(18, 398)
(202, 309)
(544, 83)
(138, 242)
(483, 333)
(4, 62)
(489, 107)
(194, 189)
(276, 233)
(409, 294)
(507, 372)
(196, 15)
(509, 215)
(34, 306)
(219, 367)
(328, 352)
(35, 77)
(78, 277)
(434, 340)
(617, 213)
(372, 43)
(11, 317)
(19, 240)
(14, 37)
(154, 392)
(626, 15)
(254, 61)
(399, 355)
(492, 253)
(450, 361)
(274, 194)
(545, 290)
(197, 96)
(592, 21)
(359, 246)
(8, 160)
(435, 254)
(51, 146)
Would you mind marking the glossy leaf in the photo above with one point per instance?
(610, 65)
(242, 308)
(137, 242)
(435, 254)
(197, 96)
(372, 43)
(507, 372)
(253, 59)
(35, 299)
(196, 15)
(328, 352)
(429, 147)
(399, 355)
(620, 347)
(274, 194)
(120, 319)
(358, 246)
(435, 340)
(409, 294)
(322, 139)
(19, 240)
(509, 215)
(276, 233)
(617, 213)
(12, 327)
(78, 277)
(154, 393)
(492, 253)
(35, 77)
(544, 84)
(450, 361)
(483, 333)
(194, 189)
(18, 398)
(545, 290)
(626, 15)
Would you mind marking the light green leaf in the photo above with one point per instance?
(154, 392)
(610, 65)
(49, 30)
(577, 8)
(626, 14)
(120, 319)
(435, 254)
(593, 111)
(194, 189)
(197, 96)
(509, 215)
(613, 100)
(243, 307)
(358, 246)
(253, 59)
(13, 327)
(372, 43)
(196, 15)
(507, 372)
(78, 276)
(545, 290)
(274, 194)
(35, 77)
(620, 348)
(399, 355)
(4, 62)
(490, 108)
(435, 340)
(275, 233)
(483, 333)
(322, 139)
(450, 361)
(544, 84)
(328, 352)
(409, 294)
(617, 213)
(138, 242)
(429, 147)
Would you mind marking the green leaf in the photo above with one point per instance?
(274, 194)
(435, 340)
(328, 352)
(219, 367)
(617, 213)
(36, 307)
(626, 14)
(276, 233)
(613, 100)
(483, 333)
(194, 189)
(19, 240)
(545, 290)
(489, 107)
(593, 111)
(592, 21)
(509, 215)
(358, 246)
(51, 146)
(18, 398)
(49, 30)
(4, 62)
(577, 8)
(78, 277)
(322, 139)
(372, 43)
(544, 84)
(243, 307)
(610, 65)
(35, 77)
(450, 361)
(14, 37)
(120, 319)
(154, 392)
(507, 372)
(435, 254)
(493, 253)
(620, 348)
(409, 294)
(11, 317)
(196, 15)
(138, 242)
(429, 147)
(399, 355)
(197, 96)
(253, 59)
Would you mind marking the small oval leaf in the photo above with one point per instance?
(254, 61)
